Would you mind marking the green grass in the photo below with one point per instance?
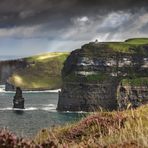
(47, 57)
(93, 78)
(130, 46)
(120, 47)
(137, 41)
(96, 77)
(143, 81)
(43, 72)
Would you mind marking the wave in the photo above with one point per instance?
(51, 91)
(10, 108)
(2, 90)
(79, 112)
(50, 107)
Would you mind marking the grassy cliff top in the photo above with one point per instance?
(43, 72)
(130, 46)
(137, 41)
(47, 57)
(142, 81)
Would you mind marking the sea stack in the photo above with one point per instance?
(18, 101)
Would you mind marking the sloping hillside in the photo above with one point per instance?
(42, 72)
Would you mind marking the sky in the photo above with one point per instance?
(29, 27)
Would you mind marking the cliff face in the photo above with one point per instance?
(87, 97)
(94, 74)
(135, 95)
(8, 67)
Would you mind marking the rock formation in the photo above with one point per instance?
(9, 87)
(18, 101)
(96, 76)
(132, 95)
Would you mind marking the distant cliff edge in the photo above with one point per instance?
(39, 72)
(106, 75)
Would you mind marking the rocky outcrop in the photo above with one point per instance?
(132, 96)
(93, 74)
(9, 87)
(18, 101)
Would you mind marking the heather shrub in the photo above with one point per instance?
(10, 140)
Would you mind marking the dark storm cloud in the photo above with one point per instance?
(59, 12)
(30, 27)
(70, 19)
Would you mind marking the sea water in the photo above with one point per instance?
(40, 112)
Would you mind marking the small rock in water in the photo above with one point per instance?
(18, 101)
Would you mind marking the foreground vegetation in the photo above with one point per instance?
(127, 129)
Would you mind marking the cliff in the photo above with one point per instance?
(39, 72)
(96, 76)
(8, 67)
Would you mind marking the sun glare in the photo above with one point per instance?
(18, 79)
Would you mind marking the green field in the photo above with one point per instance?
(42, 72)
(142, 81)
(137, 41)
(128, 46)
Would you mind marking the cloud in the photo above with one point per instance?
(67, 24)
(144, 28)
(34, 12)
(20, 32)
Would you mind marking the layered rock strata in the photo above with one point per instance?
(93, 74)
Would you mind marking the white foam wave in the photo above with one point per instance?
(31, 108)
(50, 105)
(80, 112)
(51, 91)
(26, 109)
(7, 108)
(53, 109)
(48, 108)
(2, 90)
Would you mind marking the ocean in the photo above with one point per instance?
(40, 112)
